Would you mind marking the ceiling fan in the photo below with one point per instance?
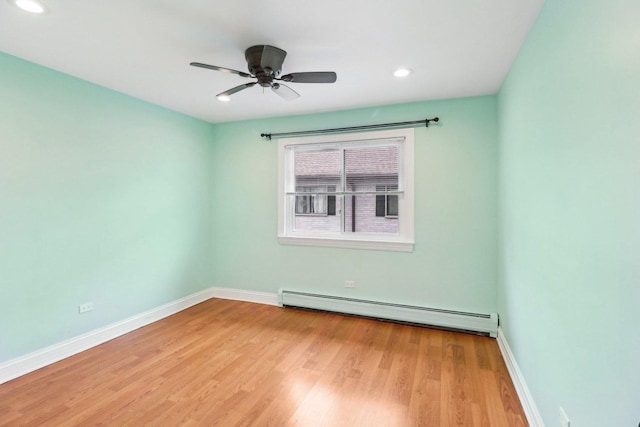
(265, 65)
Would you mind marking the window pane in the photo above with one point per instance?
(331, 205)
(392, 205)
(315, 222)
(380, 207)
(317, 168)
(367, 167)
(361, 216)
(314, 203)
(302, 204)
(311, 204)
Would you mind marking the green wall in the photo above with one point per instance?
(454, 264)
(103, 198)
(569, 293)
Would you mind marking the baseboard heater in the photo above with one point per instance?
(485, 324)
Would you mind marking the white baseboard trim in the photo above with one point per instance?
(528, 404)
(17, 367)
(247, 296)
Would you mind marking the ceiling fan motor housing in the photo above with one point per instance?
(265, 63)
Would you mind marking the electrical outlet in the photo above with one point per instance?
(564, 420)
(83, 308)
(349, 283)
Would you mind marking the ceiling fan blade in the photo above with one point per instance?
(285, 91)
(236, 89)
(311, 77)
(224, 70)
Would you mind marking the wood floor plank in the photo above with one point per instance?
(230, 363)
(424, 406)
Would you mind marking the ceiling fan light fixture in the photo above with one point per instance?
(31, 6)
(402, 72)
(223, 98)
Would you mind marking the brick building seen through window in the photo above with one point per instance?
(369, 171)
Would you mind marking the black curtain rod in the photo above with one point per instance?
(350, 129)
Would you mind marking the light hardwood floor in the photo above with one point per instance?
(229, 363)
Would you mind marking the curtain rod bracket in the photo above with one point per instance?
(350, 129)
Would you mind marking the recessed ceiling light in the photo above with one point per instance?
(223, 98)
(31, 6)
(402, 72)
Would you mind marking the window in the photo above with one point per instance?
(386, 205)
(317, 202)
(350, 190)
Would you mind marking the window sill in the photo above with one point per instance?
(380, 245)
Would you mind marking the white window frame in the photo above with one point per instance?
(403, 241)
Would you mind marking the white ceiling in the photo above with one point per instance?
(143, 48)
